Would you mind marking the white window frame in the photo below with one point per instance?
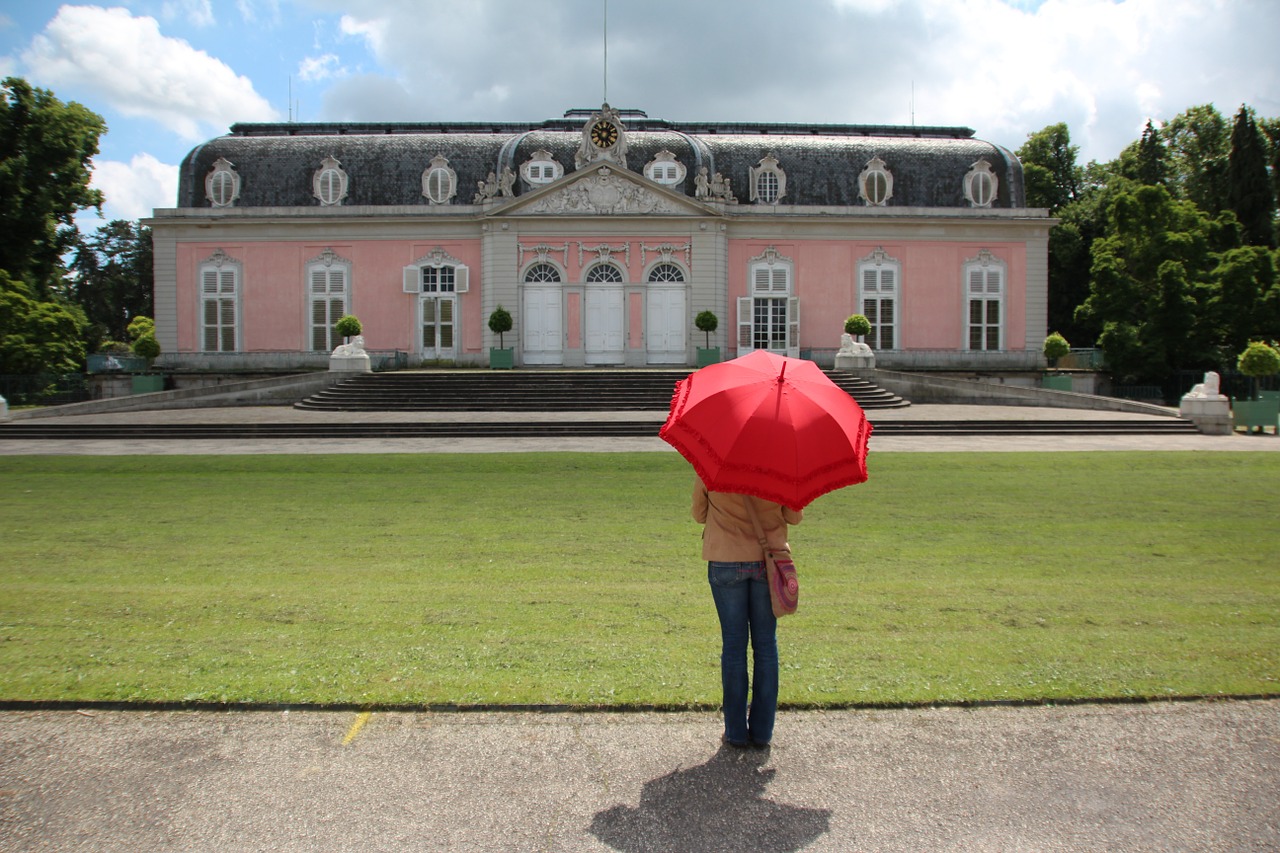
(222, 184)
(768, 181)
(981, 186)
(439, 182)
(604, 272)
(219, 285)
(542, 272)
(427, 271)
(541, 168)
(984, 283)
(666, 272)
(879, 282)
(770, 288)
(330, 183)
(665, 169)
(875, 183)
(322, 274)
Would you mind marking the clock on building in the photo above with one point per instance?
(604, 134)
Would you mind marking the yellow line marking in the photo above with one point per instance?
(356, 727)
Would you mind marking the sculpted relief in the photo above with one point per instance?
(604, 193)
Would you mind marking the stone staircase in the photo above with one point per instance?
(587, 390)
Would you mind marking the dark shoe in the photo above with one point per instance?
(736, 744)
(761, 746)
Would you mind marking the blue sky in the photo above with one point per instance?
(169, 74)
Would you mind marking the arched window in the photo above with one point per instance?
(328, 279)
(604, 274)
(222, 185)
(439, 182)
(768, 181)
(875, 183)
(540, 273)
(664, 168)
(664, 273)
(330, 183)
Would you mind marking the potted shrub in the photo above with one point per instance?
(1055, 347)
(707, 322)
(1258, 359)
(500, 322)
(147, 347)
(858, 326)
(349, 326)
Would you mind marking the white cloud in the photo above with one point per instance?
(126, 62)
(195, 12)
(316, 68)
(133, 190)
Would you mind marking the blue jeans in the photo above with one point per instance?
(741, 594)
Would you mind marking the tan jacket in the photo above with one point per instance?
(728, 535)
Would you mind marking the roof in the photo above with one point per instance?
(385, 162)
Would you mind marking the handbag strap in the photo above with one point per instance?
(755, 522)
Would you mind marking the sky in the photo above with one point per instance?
(167, 75)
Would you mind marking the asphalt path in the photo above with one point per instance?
(1174, 776)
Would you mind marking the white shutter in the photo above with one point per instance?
(745, 325)
(413, 279)
(461, 279)
(209, 281)
(793, 326)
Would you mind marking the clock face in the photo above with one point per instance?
(604, 134)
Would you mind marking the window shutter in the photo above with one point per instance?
(745, 321)
(793, 326)
(762, 280)
(412, 279)
(461, 279)
(319, 280)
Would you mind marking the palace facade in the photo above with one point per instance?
(604, 234)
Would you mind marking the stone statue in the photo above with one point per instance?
(507, 182)
(702, 184)
(355, 349)
(1208, 389)
(854, 355)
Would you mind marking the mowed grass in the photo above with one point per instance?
(576, 579)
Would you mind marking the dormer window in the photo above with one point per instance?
(330, 183)
(439, 182)
(222, 185)
(980, 185)
(541, 168)
(875, 183)
(665, 169)
(768, 181)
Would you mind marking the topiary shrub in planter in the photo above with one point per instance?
(500, 322)
(1055, 347)
(348, 327)
(707, 322)
(857, 325)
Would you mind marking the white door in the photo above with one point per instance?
(543, 326)
(664, 326)
(438, 325)
(605, 326)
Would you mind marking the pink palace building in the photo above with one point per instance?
(603, 233)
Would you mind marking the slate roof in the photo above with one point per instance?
(385, 162)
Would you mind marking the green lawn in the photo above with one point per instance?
(576, 579)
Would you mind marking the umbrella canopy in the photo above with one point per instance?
(770, 426)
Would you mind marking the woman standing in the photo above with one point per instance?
(736, 571)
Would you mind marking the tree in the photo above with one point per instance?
(1248, 185)
(1145, 280)
(1144, 161)
(1049, 169)
(1197, 143)
(37, 337)
(706, 322)
(112, 278)
(500, 323)
(1245, 299)
(45, 151)
(1055, 346)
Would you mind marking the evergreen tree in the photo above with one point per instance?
(112, 278)
(1248, 188)
(1151, 169)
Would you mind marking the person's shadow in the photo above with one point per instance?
(719, 805)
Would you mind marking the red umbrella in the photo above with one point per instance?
(769, 426)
